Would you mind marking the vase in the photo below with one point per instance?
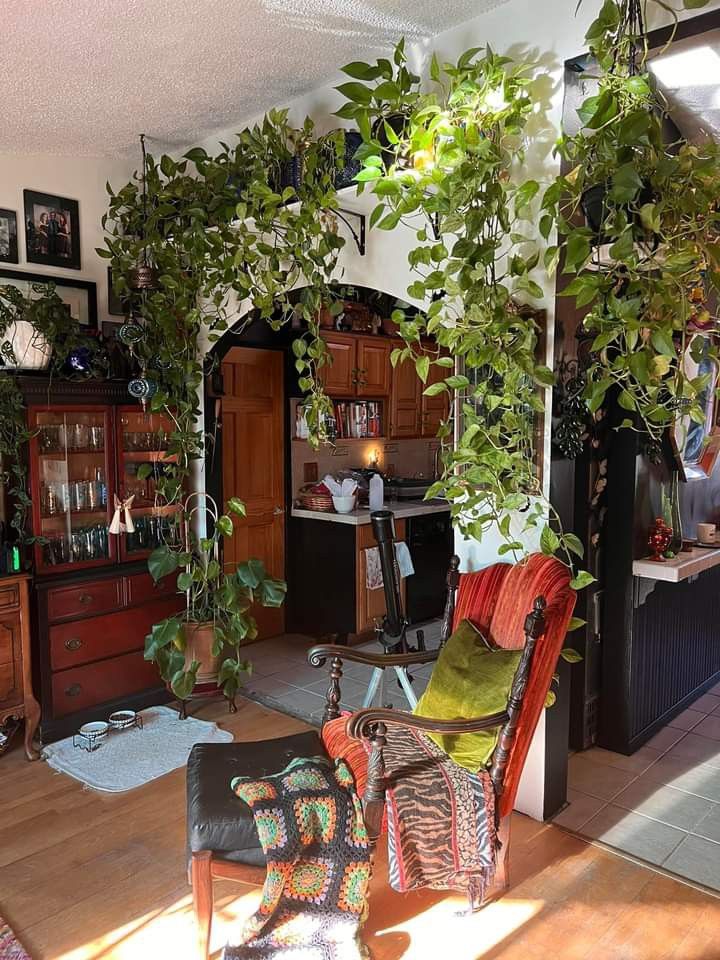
(675, 521)
(30, 348)
(199, 638)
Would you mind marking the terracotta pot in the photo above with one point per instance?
(200, 638)
(327, 320)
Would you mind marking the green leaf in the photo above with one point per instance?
(549, 541)
(581, 580)
(184, 581)
(234, 505)
(251, 573)
(663, 342)
(422, 367)
(163, 634)
(183, 683)
(626, 184)
(225, 525)
(144, 471)
(573, 544)
(357, 92)
(550, 699)
(576, 623)
(570, 655)
(162, 562)
(272, 592)
(368, 173)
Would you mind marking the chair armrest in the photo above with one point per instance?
(361, 725)
(317, 656)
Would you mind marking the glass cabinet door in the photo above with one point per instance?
(72, 487)
(143, 439)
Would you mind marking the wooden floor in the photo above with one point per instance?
(83, 875)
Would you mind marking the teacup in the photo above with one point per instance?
(706, 533)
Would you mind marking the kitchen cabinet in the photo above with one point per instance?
(412, 414)
(360, 367)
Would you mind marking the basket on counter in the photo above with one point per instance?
(321, 502)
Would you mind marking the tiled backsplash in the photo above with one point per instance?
(402, 458)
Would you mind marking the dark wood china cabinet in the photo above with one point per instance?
(93, 598)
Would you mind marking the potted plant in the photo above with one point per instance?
(30, 327)
(646, 247)
(202, 646)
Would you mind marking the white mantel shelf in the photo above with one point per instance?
(358, 517)
(687, 564)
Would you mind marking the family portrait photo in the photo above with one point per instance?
(52, 230)
(8, 236)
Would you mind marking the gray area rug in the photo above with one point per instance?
(129, 758)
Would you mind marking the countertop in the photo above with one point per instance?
(401, 509)
(687, 564)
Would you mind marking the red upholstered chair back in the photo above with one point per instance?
(497, 600)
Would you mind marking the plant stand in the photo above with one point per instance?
(205, 691)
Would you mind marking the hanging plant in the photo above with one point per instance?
(638, 225)
(446, 172)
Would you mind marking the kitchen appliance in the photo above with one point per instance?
(431, 542)
(406, 488)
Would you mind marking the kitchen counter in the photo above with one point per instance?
(400, 508)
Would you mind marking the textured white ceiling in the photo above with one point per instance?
(83, 77)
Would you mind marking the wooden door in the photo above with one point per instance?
(405, 401)
(434, 409)
(254, 465)
(340, 377)
(374, 368)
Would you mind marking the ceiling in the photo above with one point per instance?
(688, 74)
(84, 77)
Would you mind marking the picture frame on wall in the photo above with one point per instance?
(52, 230)
(117, 306)
(8, 237)
(80, 296)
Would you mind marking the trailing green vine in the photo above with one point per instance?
(444, 163)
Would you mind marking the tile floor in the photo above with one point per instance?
(282, 678)
(662, 804)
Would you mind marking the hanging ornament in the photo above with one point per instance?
(142, 389)
(143, 276)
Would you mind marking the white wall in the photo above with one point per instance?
(82, 179)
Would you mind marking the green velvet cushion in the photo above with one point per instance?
(472, 678)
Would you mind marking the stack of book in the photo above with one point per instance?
(358, 419)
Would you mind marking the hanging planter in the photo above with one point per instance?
(399, 124)
(345, 176)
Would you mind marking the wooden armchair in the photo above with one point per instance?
(525, 606)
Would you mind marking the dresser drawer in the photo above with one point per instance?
(9, 596)
(11, 684)
(83, 641)
(141, 587)
(95, 596)
(83, 687)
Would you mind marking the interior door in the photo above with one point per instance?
(253, 465)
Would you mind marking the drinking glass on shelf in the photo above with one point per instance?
(78, 436)
(96, 437)
(78, 495)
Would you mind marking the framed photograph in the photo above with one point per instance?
(52, 230)
(79, 296)
(117, 306)
(696, 446)
(8, 237)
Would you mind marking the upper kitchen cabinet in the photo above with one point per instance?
(360, 367)
(405, 401)
(434, 409)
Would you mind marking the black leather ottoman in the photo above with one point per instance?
(222, 840)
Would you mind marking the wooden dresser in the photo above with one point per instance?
(91, 637)
(16, 694)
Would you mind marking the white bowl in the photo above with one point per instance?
(96, 730)
(344, 504)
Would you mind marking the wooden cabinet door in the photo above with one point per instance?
(434, 409)
(405, 401)
(371, 603)
(340, 377)
(253, 456)
(373, 367)
(11, 679)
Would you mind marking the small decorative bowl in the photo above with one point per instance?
(94, 732)
(122, 719)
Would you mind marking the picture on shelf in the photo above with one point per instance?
(52, 230)
(79, 296)
(8, 237)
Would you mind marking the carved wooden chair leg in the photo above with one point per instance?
(202, 887)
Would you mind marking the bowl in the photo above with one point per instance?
(94, 731)
(122, 719)
(344, 504)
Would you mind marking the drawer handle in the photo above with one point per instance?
(74, 690)
(73, 643)
(85, 598)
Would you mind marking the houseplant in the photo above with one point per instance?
(203, 645)
(31, 327)
(642, 253)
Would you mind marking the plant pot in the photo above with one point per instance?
(31, 349)
(326, 319)
(390, 328)
(291, 172)
(595, 207)
(398, 123)
(199, 638)
(345, 177)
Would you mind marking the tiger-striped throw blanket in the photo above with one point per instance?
(441, 818)
(311, 828)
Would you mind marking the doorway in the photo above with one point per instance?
(253, 464)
